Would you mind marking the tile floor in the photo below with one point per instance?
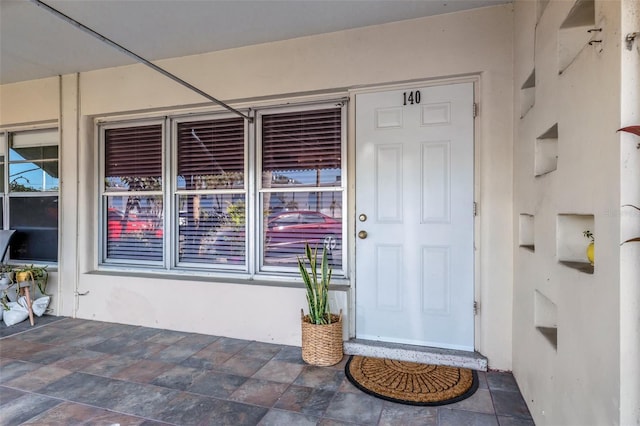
(70, 372)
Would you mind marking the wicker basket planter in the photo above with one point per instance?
(322, 343)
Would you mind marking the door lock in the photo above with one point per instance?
(362, 217)
(362, 235)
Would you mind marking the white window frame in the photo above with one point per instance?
(102, 205)
(253, 269)
(175, 194)
(273, 270)
(26, 138)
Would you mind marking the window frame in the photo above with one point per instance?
(103, 213)
(175, 194)
(261, 268)
(7, 136)
(252, 269)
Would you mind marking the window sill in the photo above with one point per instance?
(339, 284)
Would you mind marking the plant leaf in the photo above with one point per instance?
(631, 129)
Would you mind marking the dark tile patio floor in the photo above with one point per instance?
(76, 372)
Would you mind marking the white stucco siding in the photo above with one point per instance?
(473, 43)
(577, 382)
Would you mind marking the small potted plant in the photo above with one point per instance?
(31, 274)
(321, 330)
(591, 246)
(26, 277)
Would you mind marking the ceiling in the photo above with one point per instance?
(35, 43)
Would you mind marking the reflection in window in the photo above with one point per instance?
(35, 220)
(135, 227)
(33, 176)
(212, 229)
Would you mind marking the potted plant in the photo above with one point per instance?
(37, 275)
(28, 275)
(6, 275)
(591, 246)
(321, 330)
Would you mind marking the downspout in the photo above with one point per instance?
(76, 280)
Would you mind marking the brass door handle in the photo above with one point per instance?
(362, 235)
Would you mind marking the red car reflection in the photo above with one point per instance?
(286, 234)
(289, 231)
(130, 226)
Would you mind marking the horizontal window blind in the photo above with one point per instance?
(35, 138)
(211, 153)
(134, 229)
(302, 140)
(133, 152)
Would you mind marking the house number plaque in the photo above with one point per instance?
(411, 98)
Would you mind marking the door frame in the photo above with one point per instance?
(352, 188)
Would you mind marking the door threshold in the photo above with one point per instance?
(413, 353)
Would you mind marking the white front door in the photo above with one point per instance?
(414, 216)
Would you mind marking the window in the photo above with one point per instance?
(133, 194)
(211, 192)
(203, 215)
(30, 186)
(301, 185)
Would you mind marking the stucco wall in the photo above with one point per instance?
(630, 221)
(474, 43)
(576, 382)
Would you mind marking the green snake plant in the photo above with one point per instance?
(317, 284)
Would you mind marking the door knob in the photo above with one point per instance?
(362, 235)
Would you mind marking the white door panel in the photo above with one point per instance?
(414, 184)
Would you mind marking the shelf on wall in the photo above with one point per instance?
(528, 94)
(546, 151)
(571, 244)
(574, 34)
(546, 317)
(526, 234)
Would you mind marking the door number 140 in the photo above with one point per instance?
(410, 98)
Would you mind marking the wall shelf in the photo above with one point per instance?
(546, 318)
(574, 34)
(527, 232)
(528, 94)
(546, 151)
(571, 244)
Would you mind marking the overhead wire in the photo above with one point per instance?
(137, 57)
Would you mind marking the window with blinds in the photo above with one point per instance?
(211, 192)
(301, 194)
(133, 197)
(302, 148)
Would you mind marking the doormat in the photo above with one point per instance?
(409, 382)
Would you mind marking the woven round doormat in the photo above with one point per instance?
(409, 382)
